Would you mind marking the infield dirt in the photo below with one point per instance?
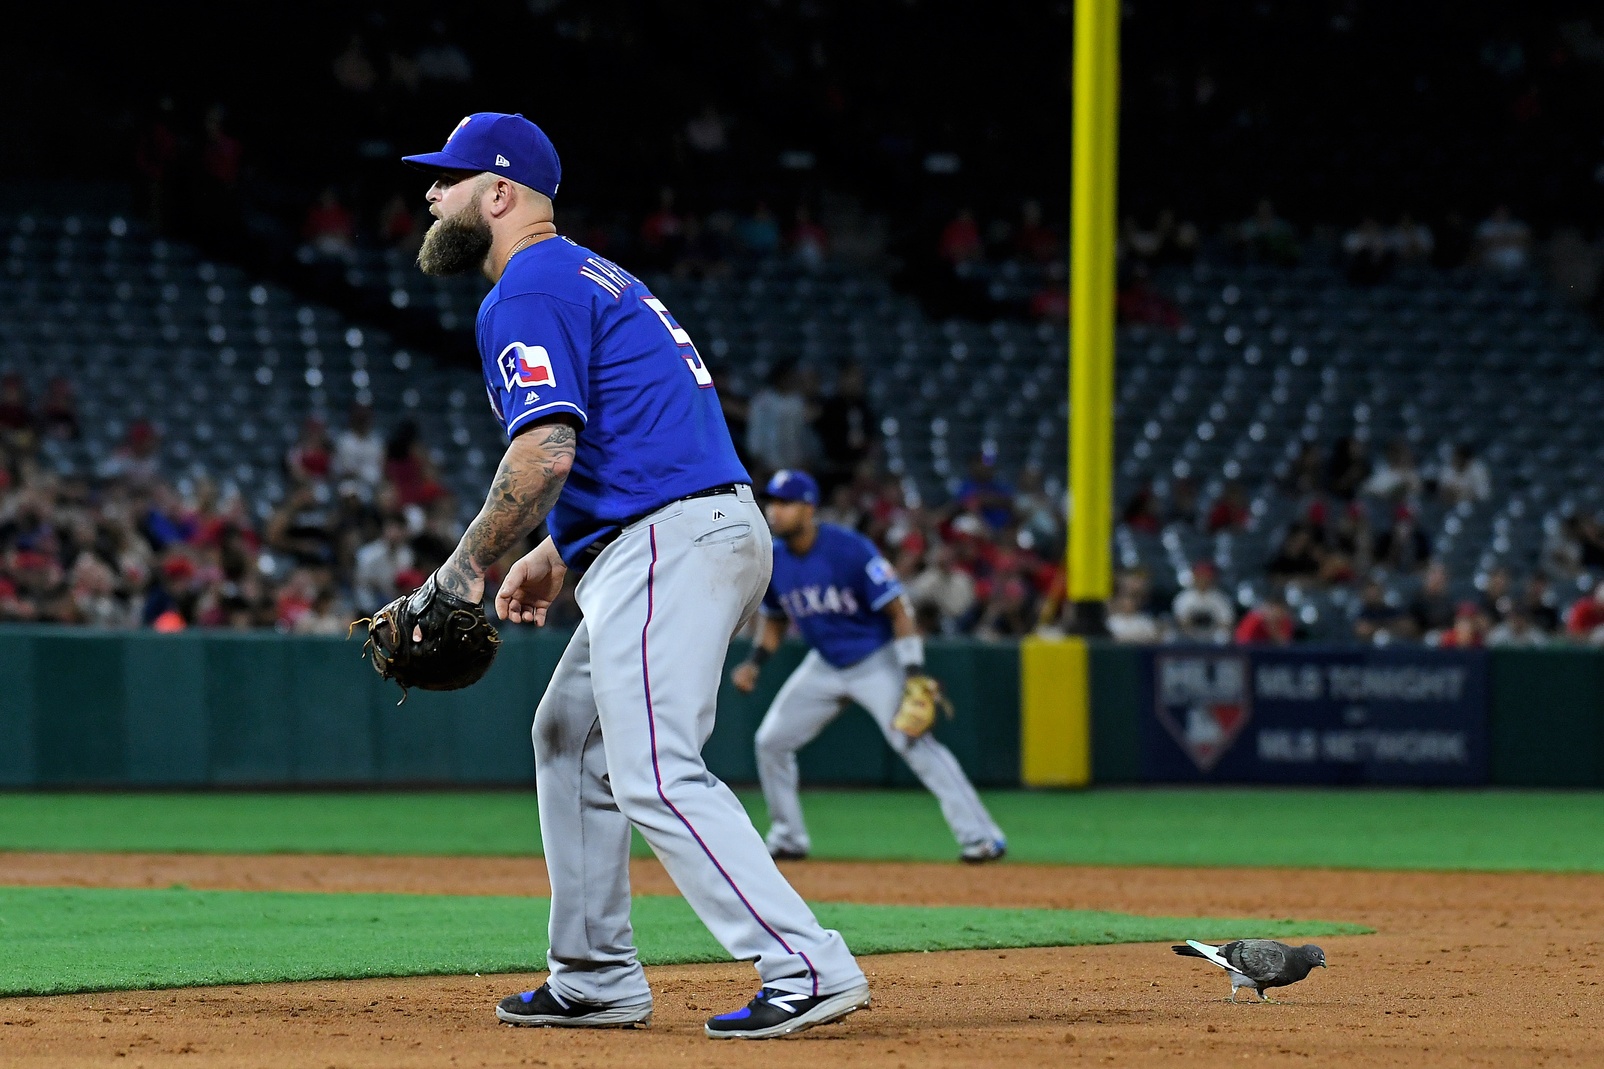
(1464, 970)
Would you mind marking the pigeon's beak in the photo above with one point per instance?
(1322, 965)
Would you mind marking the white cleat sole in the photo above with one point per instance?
(622, 1017)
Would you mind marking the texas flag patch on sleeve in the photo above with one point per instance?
(526, 366)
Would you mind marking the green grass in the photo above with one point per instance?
(65, 940)
(1377, 829)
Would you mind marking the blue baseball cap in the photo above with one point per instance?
(508, 145)
(792, 486)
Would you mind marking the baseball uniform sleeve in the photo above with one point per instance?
(771, 606)
(877, 581)
(536, 353)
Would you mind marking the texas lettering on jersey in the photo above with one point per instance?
(814, 600)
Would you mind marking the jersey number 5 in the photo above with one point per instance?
(688, 353)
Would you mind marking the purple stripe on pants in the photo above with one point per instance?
(651, 724)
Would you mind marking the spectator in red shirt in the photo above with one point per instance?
(13, 606)
(16, 415)
(1404, 547)
(1585, 619)
(310, 457)
(58, 413)
(329, 227)
(1230, 511)
(1269, 623)
(1141, 302)
(1009, 613)
(138, 458)
(218, 521)
(221, 153)
(295, 599)
(1141, 512)
(663, 232)
(398, 226)
(1469, 630)
(1035, 242)
(408, 468)
(1051, 299)
(960, 239)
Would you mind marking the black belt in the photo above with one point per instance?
(588, 555)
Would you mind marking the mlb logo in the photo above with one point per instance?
(1204, 701)
(526, 366)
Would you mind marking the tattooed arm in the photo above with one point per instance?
(526, 486)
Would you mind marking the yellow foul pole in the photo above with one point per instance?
(1055, 677)
(1091, 310)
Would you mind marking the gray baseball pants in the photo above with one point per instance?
(618, 742)
(815, 695)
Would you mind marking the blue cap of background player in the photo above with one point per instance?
(508, 145)
(793, 486)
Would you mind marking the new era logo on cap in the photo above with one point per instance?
(502, 161)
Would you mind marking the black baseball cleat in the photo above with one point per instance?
(777, 1013)
(780, 853)
(543, 1008)
(982, 852)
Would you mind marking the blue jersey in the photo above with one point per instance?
(835, 592)
(567, 332)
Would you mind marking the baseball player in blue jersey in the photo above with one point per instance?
(617, 441)
(846, 600)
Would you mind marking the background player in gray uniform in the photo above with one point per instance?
(616, 439)
(847, 602)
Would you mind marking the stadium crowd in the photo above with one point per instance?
(367, 518)
(123, 547)
(1357, 529)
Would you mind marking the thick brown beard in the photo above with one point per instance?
(457, 245)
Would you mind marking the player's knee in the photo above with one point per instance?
(546, 733)
(639, 798)
(772, 741)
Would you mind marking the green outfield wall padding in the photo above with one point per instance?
(97, 709)
(165, 729)
(1116, 720)
(19, 764)
(250, 694)
(88, 708)
(1548, 718)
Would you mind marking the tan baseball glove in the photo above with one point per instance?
(921, 698)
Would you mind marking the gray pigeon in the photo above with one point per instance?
(1257, 963)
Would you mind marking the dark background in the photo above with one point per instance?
(1336, 108)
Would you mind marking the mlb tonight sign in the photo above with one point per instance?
(1315, 715)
